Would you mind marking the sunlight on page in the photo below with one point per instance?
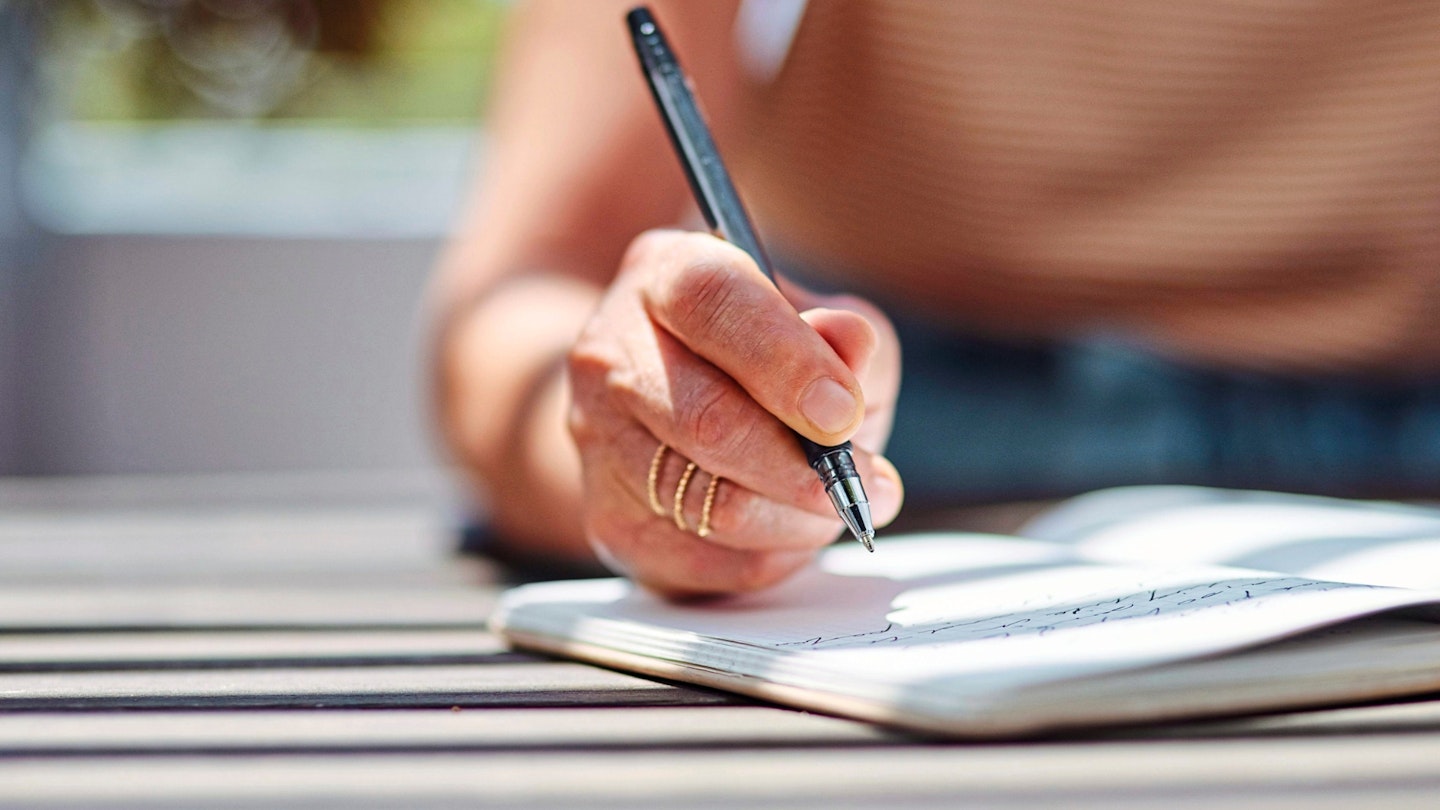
(1356, 541)
(1400, 564)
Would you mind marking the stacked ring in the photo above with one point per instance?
(677, 509)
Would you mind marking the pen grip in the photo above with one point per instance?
(831, 463)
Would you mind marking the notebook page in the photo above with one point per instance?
(1325, 538)
(946, 619)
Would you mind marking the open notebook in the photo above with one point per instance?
(1119, 607)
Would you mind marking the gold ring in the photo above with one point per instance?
(704, 528)
(679, 506)
(654, 478)
(677, 510)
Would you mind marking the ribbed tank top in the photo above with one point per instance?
(1247, 183)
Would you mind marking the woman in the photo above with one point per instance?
(1132, 243)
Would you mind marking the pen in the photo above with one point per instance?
(720, 204)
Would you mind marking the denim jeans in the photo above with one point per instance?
(984, 421)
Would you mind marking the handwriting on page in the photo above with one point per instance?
(1055, 616)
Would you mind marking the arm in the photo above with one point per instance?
(542, 295)
(575, 167)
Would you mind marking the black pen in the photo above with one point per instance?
(720, 204)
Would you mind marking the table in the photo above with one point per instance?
(314, 641)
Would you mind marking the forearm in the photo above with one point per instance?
(502, 399)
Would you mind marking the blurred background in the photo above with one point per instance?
(216, 222)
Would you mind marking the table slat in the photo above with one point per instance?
(310, 604)
(212, 650)
(527, 684)
(1389, 771)
(493, 729)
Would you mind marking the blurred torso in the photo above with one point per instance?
(1246, 184)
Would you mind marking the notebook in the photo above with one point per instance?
(1120, 607)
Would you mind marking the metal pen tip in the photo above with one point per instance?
(857, 519)
(847, 494)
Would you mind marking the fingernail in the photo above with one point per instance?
(828, 405)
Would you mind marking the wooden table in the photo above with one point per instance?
(314, 642)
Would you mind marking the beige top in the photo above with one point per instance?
(1249, 182)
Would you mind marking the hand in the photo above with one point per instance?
(693, 347)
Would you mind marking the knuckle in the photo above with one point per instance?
(645, 246)
(704, 299)
(580, 425)
(697, 416)
(592, 354)
(655, 250)
(601, 383)
(585, 371)
(712, 417)
(583, 363)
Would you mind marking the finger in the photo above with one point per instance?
(849, 334)
(713, 298)
(712, 421)
(685, 568)
(651, 549)
(744, 519)
(735, 515)
(653, 552)
(865, 339)
(619, 375)
(858, 349)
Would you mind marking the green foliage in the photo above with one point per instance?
(357, 62)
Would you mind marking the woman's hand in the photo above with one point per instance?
(692, 348)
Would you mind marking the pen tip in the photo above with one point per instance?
(857, 520)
